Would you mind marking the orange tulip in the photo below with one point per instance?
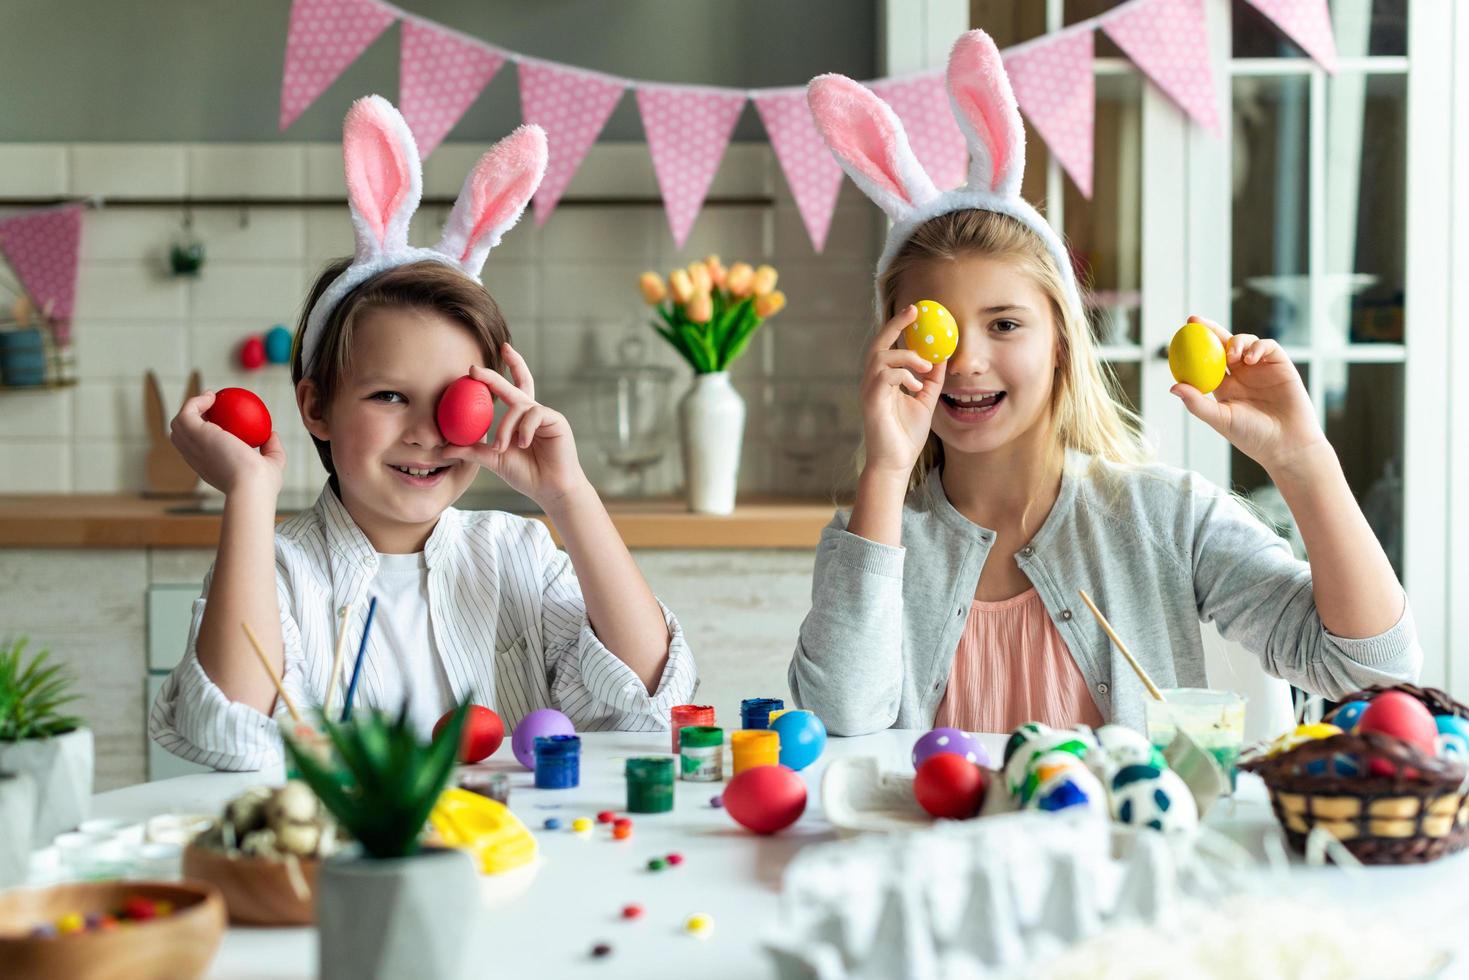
(717, 271)
(680, 285)
(699, 276)
(770, 304)
(765, 277)
(654, 292)
(701, 308)
(739, 279)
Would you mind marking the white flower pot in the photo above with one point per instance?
(400, 917)
(61, 768)
(17, 816)
(712, 425)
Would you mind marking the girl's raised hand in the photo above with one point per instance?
(531, 448)
(220, 458)
(900, 392)
(1261, 407)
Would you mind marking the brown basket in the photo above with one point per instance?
(1417, 814)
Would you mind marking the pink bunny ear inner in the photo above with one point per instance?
(494, 195)
(379, 175)
(862, 131)
(981, 93)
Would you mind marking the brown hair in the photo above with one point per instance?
(424, 286)
(1087, 411)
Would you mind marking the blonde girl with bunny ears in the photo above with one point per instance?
(469, 603)
(997, 485)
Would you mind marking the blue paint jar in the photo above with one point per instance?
(755, 712)
(558, 761)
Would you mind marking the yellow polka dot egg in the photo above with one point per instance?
(934, 336)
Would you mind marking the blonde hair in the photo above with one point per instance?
(1087, 413)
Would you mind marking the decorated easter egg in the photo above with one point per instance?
(1196, 357)
(483, 733)
(949, 786)
(1017, 770)
(1146, 796)
(278, 345)
(252, 353)
(802, 738)
(1122, 746)
(1022, 734)
(1348, 715)
(465, 411)
(934, 336)
(950, 740)
(242, 414)
(765, 799)
(1453, 737)
(1069, 786)
(541, 723)
(1044, 768)
(1401, 716)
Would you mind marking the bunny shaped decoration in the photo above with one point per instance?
(167, 474)
(384, 184)
(868, 141)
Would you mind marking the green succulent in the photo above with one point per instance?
(383, 780)
(31, 691)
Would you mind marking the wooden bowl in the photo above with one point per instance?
(256, 890)
(177, 945)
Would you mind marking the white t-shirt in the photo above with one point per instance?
(402, 623)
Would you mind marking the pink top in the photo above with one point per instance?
(1012, 667)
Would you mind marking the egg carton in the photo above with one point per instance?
(980, 899)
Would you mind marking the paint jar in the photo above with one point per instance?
(701, 754)
(649, 784)
(755, 712)
(558, 761)
(684, 715)
(753, 747)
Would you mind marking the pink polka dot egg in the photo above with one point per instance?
(952, 741)
(933, 336)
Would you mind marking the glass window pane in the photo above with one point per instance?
(1365, 208)
(1364, 421)
(1250, 481)
(1129, 377)
(1269, 284)
(1008, 22)
(1078, 10)
(1361, 27)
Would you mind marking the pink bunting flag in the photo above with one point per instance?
(439, 75)
(814, 176)
(922, 103)
(688, 130)
(572, 107)
(41, 247)
(324, 37)
(1306, 22)
(1053, 82)
(1168, 41)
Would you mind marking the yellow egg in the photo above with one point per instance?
(933, 336)
(1196, 357)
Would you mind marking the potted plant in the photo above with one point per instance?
(709, 314)
(17, 816)
(396, 909)
(55, 750)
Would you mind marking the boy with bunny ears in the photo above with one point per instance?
(1000, 483)
(477, 603)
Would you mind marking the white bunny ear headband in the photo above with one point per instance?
(868, 141)
(384, 184)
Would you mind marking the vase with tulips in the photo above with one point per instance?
(709, 314)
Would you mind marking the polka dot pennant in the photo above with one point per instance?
(1306, 22)
(41, 247)
(813, 174)
(1168, 41)
(324, 37)
(922, 104)
(1053, 83)
(572, 107)
(440, 75)
(688, 130)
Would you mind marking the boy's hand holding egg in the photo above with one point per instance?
(227, 437)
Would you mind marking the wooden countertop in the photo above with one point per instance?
(131, 521)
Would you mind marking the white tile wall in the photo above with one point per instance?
(567, 288)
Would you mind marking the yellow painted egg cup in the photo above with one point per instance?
(1196, 357)
(934, 336)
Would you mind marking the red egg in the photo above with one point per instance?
(483, 733)
(950, 786)
(242, 414)
(252, 353)
(1401, 716)
(466, 409)
(765, 799)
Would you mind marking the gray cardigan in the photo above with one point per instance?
(1158, 549)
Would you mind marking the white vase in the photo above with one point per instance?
(711, 418)
(17, 816)
(61, 768)
(401, 917)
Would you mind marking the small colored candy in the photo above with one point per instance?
(621, 831)
(106, 922)
(552, 823)
(44, 931)
(602, 950)
(633, 911)
(138, 908)
(717, 802)
(675, 859)
(622, 822)
(581, 825)
(606, 816)
(71, 922)
(699, 924)
(657, 864)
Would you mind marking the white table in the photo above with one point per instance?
(582, 883)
